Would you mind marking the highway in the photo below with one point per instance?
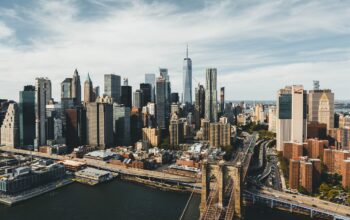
(106, 166)
(305, 200)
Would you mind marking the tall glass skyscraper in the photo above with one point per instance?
(112, 86)
(187, 79)
(27, 116)
(211, 110)
(150, 78)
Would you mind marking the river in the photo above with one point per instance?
(118, 200)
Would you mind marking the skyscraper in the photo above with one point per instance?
(211, 113)
(150, 78)
(187, 79)
(137, 100)
(76, 126)
(76, 88)
(27, 116)
(9, 128)
(112, 86)
(67, 101)
(42, 97)
(66, 88)
(176, 131)
(125, 98)
(88, 90)
(161, 102)
(146, 90)
(199, 105)
(291, 115)
(321, 106)
(99, 119)
(222, 99)
(121, 124)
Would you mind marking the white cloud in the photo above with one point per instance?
(249, 44)
(5, 31)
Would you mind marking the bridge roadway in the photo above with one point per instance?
(311, 203)
(106, 166)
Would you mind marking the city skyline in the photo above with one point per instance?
(283, 42)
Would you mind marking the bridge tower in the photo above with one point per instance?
(225, 195)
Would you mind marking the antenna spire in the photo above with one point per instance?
(187, 51)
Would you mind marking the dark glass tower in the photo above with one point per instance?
(27, 115)
(125, 98)
(146, 93)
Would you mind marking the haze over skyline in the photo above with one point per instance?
(257, 47)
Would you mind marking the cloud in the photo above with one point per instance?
(257, 47)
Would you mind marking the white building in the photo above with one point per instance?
(272, 118)
(291, 115)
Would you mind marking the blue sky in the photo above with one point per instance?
(257, 46)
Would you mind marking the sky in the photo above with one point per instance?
(257, 47)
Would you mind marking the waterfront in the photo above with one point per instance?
(117, 200)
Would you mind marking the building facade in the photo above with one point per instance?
(291, 115)
(187, 79)
(9, 128)
(26, 108)
(43, 94)
(112, 86)
(211, 113)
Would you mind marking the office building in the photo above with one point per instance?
(136, 124)
(272, 118)
(174, 97)
(76, 127)
(125, 98)
(146, 90)
(316, 130)
(291, 115)
(121, 124)
(76, 88)
(26, 108)
(9, 128)
(42, 97)
(211, 95)
(222, 99)
(219, 134)
(99, 119)
(259, 114)
(321, 106)
(88, 90)
(138, 99)
(150, 78)
(151, 136)
(199, 108)
(161, 102)
(112, 86)
(54, 129)
(187, 79)
(176, 131)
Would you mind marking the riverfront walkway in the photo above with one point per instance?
(106, 166)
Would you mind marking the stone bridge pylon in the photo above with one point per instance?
(221, 191)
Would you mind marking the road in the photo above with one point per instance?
(106, 166)
(306, 200)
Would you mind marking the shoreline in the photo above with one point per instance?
(37, 191)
